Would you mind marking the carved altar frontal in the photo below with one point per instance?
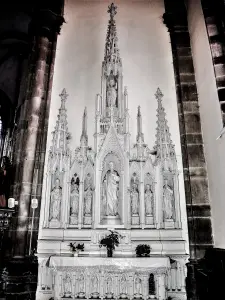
(116, 185)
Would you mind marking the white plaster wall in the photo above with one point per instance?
(147, 64)
(210, 116)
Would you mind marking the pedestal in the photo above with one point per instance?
(135, 220)
(149, 220)
(87, 220)
(169, 223)
(73, 219)
(54, 224)
(111, 220)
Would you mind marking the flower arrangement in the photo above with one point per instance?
(110, 241)
(143, 250)
(76, 248)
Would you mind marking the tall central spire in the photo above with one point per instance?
(111, 47)
(140, 135)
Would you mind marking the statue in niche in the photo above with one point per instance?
(67, 286)
(148, 200)
(55, 200)
(109, 285)
(111, 191)
(74, 197)
(111, 91)
(137, 285)
(134, 179)
(123, 285)
(81, 284)
(168, 197)
(94, 284)
(134, 196)
(88, 194)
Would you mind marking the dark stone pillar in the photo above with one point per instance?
(195, 174)
(45, 26)
(21, 277)
(214, 14)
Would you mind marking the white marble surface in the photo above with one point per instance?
(120, 263)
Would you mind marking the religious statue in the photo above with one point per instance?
(88, 194)
(74, 198)
(134, 179)
(134, 196)
(67, 286)
(137, 286)
(94, 284)
(55, 200)
(5, 181)
(123, 285)
(109, 285)
(148, 200)
(111, 91)
(81, 283)
(168, 197)
(110, 191)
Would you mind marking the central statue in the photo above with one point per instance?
(111, 191)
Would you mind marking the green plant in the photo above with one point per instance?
(76, 248)
(143, 250)
(110, 241)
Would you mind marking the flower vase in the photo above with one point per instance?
(109, 252)
(75, 254)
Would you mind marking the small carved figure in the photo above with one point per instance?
(94, 284)
(81, 283)
(5, 181)
(123, 285)
(137, 285)
(109, 285)
(74, 198)
(67, 286)
(110, 191)
(134, 195)
(88, 194)
(168, 197)
(134, 179)
(148, 200)
(111, 92)
(55, 198)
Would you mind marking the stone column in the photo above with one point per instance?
(214, 14)
(195, 174)
(44, 26)
(194, 167)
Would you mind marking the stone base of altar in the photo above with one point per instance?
(109, 278)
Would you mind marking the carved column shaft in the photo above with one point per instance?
(195, 175)
(44, 25)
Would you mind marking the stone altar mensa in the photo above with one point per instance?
(118, 186)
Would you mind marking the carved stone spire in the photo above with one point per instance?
(61, 135)
(112, 55)
(140, 135)
(84, 136)
(164, 145)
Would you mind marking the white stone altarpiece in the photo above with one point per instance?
(116, 185)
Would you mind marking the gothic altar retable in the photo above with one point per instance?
(115, 186)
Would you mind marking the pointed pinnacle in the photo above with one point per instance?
(63, 95)
(159, 94)
(112, 10)
(139, 110)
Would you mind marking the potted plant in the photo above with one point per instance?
(110, 241)
(143, 250)
(75, 249)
